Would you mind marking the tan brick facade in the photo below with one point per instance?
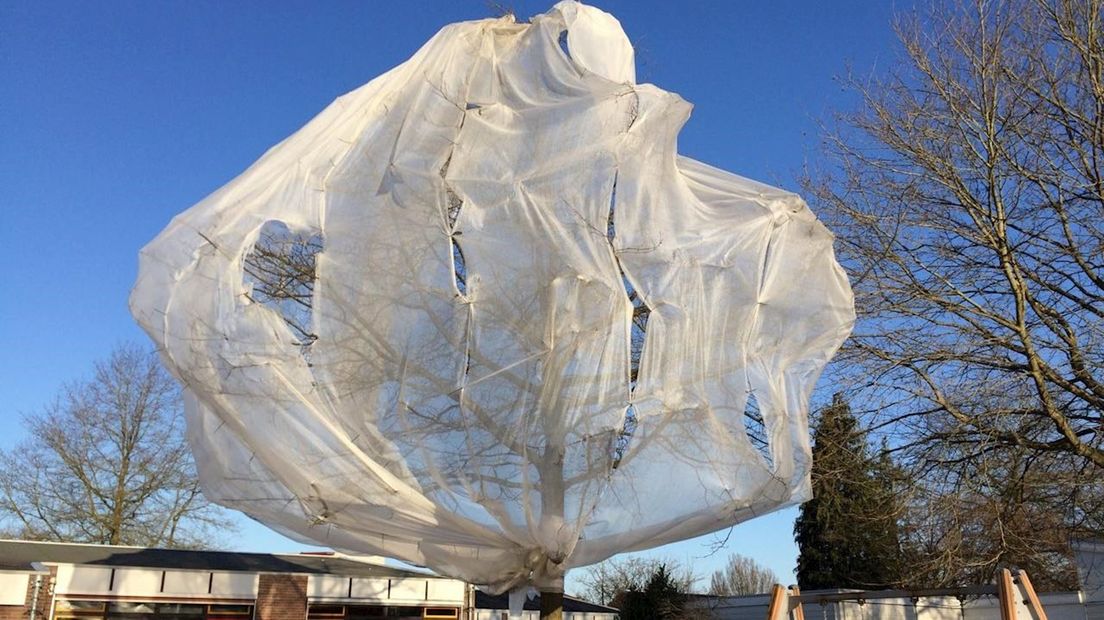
(281, 597)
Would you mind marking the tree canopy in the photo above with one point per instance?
(106, 462)
(606, 581)
(847, 534)
(742, 576)
(966, 191)
(661, 598)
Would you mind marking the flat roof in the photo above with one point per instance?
(21, 554)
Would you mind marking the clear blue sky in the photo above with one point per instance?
(114, 116)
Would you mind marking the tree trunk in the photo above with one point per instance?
(551, 605)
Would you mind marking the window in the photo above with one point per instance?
(148, 610)
(380, 612)
(230, 610)
(66, 610)
(326, 611)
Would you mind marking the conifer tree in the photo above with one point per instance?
(660, 599)
(847, 534)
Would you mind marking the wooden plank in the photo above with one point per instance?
(1006, 594)
(1031, 596)
(833, 597)
(777, 605)
(798, 612)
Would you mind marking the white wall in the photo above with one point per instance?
(128, 581)
(431, 590)
(13, 588)
(371, 589)
(83, 579)
(408, 590)
(446, 590)
(1058, 606)
(1089, 557)
(498, 614)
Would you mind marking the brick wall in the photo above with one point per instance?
(280, 597)
(17, 612)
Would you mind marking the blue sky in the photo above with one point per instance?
(114, 116)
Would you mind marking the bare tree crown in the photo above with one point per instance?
(967, 195)
(107, 463)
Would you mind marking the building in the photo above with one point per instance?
(488, 607)
(1089, 556)
(927, 605)
(61, 581)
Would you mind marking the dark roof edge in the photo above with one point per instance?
(201, 559)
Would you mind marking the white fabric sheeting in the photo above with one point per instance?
(476, 427)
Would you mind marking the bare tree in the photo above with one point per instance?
(1010, 509)
(107, 463)
(742, 575)
(968, 198)
(605, 581)
(281, 271)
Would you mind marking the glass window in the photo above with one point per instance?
(229, 612)
(180, 609)
(79, 610)
(130, 607)
(64, 605)
(379, 612)
(146, 610)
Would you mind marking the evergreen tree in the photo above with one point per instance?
(847, 534)
(660, 599)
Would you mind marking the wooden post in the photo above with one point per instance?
(551, 605)
(777, 608)
(798, 611)
(1031, 596)
(1006, 594)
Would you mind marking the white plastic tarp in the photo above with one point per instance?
(479, 315)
